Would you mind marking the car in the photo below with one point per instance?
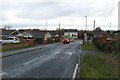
(0, 41)
(66, 41)
(10, 40)
(71, 40)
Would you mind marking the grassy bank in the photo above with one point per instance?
(11, 47)
(98, 66)
(90, 47)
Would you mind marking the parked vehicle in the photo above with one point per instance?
(66, 41)
(10, 40)
(0, 41)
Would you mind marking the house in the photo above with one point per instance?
(26, 38)
(55, 35)
(9, 32)
(101, 34)
(40, 36)
(71, 32)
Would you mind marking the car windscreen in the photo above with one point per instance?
(10, 38)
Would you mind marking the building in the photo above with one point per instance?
(71, 32)
(9, 32)
(40, 36)
(55, 35)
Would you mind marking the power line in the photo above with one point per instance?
(110, 11)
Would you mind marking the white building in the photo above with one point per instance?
(71, 32)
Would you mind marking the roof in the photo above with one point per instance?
(101, 33)
(34, 32)
(53, 33)
(9, 32)
(118, 33)
(25, 34)
(70, 30)
(37, 33)
(23, 30)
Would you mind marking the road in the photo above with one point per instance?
(53, 61)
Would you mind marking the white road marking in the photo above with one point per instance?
(75, 72)
(70, 53)
(56, 52)
(2, 73)
(34, 60)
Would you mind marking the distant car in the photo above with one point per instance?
(10, 40)
(66, 41)
(71, 40)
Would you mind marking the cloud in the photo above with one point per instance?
(66, 11)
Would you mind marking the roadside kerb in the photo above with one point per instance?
(10, 53)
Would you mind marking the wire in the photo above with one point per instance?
(110, 12)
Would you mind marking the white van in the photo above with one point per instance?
(11, 40)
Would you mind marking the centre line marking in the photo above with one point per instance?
(33, 60)
(2, 73)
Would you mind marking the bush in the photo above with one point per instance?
(50, 40)
(108, 48)
(100, 44)
(104, 45)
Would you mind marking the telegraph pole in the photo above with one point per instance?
(86, 22)
(46, 24)
(110, 26)
(59, 32)
(93, 32)
(94, 26)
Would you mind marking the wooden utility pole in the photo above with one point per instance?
(59, 32)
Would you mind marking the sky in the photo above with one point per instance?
(47, 14)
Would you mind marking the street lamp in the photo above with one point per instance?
(59, 32)
(86, 22)
(110, 26)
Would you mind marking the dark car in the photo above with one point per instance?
(66, 41)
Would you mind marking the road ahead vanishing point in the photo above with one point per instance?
(53, 61)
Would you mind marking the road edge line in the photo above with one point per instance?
(75, 72)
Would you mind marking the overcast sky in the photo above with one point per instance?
(69, 13)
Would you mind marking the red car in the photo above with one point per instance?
(66, 41)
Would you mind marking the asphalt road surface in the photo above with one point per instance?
(53, 61)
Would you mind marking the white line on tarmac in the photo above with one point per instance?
(2, 73)
(33, 60)
(75, 72)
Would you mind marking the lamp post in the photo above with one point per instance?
(86, 22)
(46, 25)
(110, 26)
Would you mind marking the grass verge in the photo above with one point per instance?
(11, 47)
(90, 47)
(98, 66)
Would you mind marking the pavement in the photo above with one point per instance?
(50, 61)
(14, 52)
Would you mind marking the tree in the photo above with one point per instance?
(98, 29)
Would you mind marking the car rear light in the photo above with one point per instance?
(67, 39)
